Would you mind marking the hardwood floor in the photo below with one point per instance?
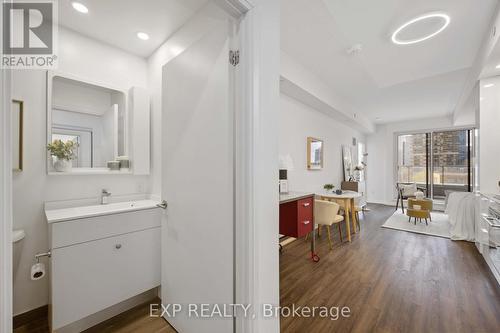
(392, 281)
(34, 321)
(135, 320)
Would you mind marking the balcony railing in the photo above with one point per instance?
(444, 179)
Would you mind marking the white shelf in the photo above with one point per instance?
(89, 171)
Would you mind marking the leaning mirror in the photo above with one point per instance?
(314, 154)
(348, 164)
(87, 126)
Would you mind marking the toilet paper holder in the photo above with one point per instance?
(44, 254)
(38, 269)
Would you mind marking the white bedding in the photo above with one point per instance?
(461, 212)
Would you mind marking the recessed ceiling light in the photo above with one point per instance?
(396, 40)
(489, 85)
(497, 66)
(143, 35)
(80, 7)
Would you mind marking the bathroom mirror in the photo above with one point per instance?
(91, 118)
(314, 154)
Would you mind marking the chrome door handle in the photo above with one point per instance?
(306, 204)
(163, 204)
(306, 222)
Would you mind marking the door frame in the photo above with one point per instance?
(256, 202)
(256, 163)
(256, 169)
(5, 199)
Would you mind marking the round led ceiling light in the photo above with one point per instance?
(80, 7)
(142, 35)
(444, 22)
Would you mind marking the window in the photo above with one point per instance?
(451, 169)
(84, 139)
(413, 151)
(446, 153)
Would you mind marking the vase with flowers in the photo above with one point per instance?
(358, 171)
(62, 154)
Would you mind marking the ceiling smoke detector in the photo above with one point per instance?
(354, 50)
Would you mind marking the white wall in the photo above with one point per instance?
(301, 77)
(297, 122)
(380, 170)
(466, 115)
(95, 61)
(84, 58)
(489, 136)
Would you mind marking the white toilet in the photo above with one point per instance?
(17, 241)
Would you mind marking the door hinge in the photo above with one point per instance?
(234, 57)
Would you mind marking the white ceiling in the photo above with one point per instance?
(386, 82)
(117, 22)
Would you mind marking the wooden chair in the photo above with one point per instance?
(400, 188)
(326, 214)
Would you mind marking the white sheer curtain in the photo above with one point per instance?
(461, 210)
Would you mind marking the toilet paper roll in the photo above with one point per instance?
(37, 271)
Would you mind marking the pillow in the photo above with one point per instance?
(409, 190)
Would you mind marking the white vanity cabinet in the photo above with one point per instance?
(100, 261)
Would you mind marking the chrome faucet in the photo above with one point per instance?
(104, 196)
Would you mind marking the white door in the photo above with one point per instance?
(197, 171)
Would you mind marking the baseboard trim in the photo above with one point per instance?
(108, 313)
(31, 316)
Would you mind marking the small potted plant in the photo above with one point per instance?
(328, 187)
(62, 154)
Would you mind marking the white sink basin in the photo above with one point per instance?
(65, 214)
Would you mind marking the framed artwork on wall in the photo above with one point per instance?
(17, 134)
(315, 149)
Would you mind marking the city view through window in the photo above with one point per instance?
(446, 153)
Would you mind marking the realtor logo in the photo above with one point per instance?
(29, 34)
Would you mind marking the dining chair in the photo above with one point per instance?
(341, 212)
(326, 214)
(358, 209)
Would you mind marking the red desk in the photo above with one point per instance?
(297, 217)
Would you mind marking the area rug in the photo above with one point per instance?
(439, 226)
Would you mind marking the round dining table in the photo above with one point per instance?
(347, 201)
